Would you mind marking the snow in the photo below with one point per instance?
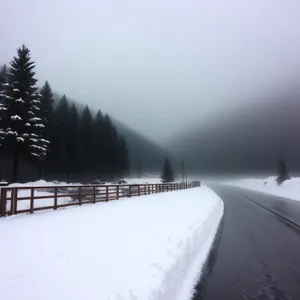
(149, 247)
(45, 141)
(25, 204)
(16, 90)
(12, 132)
(20, 139)
(144, 180)
(20, 100)
(289, 189)
(35, 119)
(42, 182)
(38, 147)
(16, 117)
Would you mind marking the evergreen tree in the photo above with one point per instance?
(3, 97)
(47, 102)
(58, 151)
(73, 141)
(22, 122)
(123, 157)
(46, 109)
(167, 172)
(86, 138)
(283, 173)
(111, 144)
(98, 144)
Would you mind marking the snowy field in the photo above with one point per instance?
(289, 189)
(148, 247)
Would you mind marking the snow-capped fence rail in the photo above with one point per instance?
(25, 199)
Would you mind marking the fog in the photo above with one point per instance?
(158, 66)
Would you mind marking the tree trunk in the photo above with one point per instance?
(15, 170)
(41, 169)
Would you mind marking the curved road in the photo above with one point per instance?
(257, 254)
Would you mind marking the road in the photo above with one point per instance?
(257, 254)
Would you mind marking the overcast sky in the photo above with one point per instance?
(157, 65)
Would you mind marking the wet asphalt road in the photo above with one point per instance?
(257, 252)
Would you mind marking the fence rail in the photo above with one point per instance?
(16, 200)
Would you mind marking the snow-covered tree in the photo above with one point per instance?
(283, 173)
(22, 120)
(167, 172)
(3, 109)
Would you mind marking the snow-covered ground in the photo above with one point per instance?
(289, 189)
(148, 247)
(145, 180)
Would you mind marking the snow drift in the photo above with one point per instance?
(289, 189)
(148, 247)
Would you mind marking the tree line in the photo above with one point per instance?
(57, 138)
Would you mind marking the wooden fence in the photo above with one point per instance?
(16, 200)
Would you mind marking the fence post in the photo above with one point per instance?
(107, 193)
(94, 194)
(31, 200)
(12, 197)
(130, 191)
(149, 189)
(55, 198)
(139, 190)
(117, 192)
(79, 195)
(3, 202)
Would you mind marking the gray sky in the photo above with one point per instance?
(157, 65)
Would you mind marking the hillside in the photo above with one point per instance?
(246, 140)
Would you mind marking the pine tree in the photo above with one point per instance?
(73, 141)
(47, 102)
(86, 136)
(283, 173)
(58, 150)
(45, 113)
(123, 157)
(111, 144)
(167, 172)
(3, 101)
(22, 120)
(98, 144)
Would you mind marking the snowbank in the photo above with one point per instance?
(289, 189)
(42, 182)
(143, 180)
(148, 247)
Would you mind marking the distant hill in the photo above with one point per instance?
(245, 141)
(143, 151)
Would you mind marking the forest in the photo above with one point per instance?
(44, 138)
